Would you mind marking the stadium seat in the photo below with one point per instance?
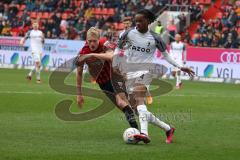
(45, 15)
(110, 11)
(104, 11)
(33, 15)
(39, 15)
(96, 10)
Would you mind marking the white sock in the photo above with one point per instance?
(178, 77)
(38, 74)
(157, 122)
(143, 118)
(31, 71)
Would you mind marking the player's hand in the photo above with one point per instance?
(80, 100)
(189, 71)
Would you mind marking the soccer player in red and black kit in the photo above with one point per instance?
(101, 70)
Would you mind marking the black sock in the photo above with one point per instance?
(129, 114)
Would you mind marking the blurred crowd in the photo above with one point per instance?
(79, 16)
(224, 31)
(70, 19)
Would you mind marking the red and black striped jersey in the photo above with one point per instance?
(100, 70)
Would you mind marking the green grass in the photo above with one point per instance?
(206, 116)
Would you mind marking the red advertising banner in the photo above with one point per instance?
(215, 55)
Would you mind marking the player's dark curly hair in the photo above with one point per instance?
(147, 14)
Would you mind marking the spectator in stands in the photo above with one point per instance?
(222, 40)
(79, 25)
(187, 37)
(232, 19)
(182, 22)
(49, 25)
(196, 12)
(1, 25)
(224, 20)
(149, 5)
(127, 22)
(6, 30)
(1, 7)
(172, 30)
(49, 34)
(64, 5)
(195, 39)
(215, 41)
(13, 10)
(234, 33)
(72, 32)
(56, 27)
(159, 28)
(229, 43)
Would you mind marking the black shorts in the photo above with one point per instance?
(118, 83)
(113, 87)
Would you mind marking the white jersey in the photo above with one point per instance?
(139, 51)
(36, 37)
(141, 47)
(177, 50)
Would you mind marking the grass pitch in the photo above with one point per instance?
(206, 117)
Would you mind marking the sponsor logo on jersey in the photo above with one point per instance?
(140, 49)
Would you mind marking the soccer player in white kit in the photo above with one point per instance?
(36, 42)
(141, 48)
(179, 54)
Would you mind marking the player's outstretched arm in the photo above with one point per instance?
(80, 98)
(168, 58)
(171, 61)
(103, 56)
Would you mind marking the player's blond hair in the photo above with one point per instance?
(93, 32)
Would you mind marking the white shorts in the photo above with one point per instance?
(179, 62)
(144, 78)
(36, 57)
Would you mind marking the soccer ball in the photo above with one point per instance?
(128, 135)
